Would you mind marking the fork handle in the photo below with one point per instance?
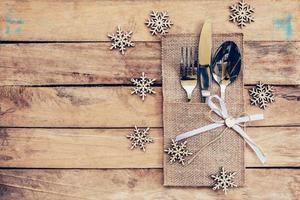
(189, 92)
(189, 96)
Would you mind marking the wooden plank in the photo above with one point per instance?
(115, 107)
(76, 63)
(74, 20)
(283, 184)
(272, 62)
(284, 111)
(78, 107)
(92, 63)
(71, 148)
(279, 144)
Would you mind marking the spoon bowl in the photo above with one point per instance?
(226, 65)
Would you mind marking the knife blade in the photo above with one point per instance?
(204, 59)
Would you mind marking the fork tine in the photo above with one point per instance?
(182, 64)
(196, 59)
(188, 61)
(191, 61)
(186, 69)
(181, 55)
(187, 55)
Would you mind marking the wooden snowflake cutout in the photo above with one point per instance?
(159, 23)
(139, 138)
(223, 180)
(121, 40)
(178, 152)
(241, 14)
(261, 95)
(143, 86)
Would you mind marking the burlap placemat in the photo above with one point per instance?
(180, 116)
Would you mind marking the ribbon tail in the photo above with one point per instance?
(261, 156)
(197, 131)
(250, 118)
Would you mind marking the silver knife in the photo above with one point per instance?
(204, 59)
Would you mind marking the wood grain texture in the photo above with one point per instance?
(92, 63)
(76, 63)
(283, 184)
(79, 107)
(116, 107)
(272, 62)
(71, 148)
(285, 111)
(85, 126)
(75, 20)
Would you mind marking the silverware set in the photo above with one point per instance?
(224, 67)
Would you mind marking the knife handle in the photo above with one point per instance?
(205, 81)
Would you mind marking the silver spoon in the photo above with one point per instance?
(226, 65)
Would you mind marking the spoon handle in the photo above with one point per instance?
(223, 88)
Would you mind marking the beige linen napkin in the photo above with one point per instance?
(180, 116)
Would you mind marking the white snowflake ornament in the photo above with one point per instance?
(139, 138)
(223, 180)
(261, 95)
(178, 152)
(241, 14)
(159, 23)
(121, 40)
(143, 86)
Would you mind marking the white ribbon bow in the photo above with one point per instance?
(230, 122)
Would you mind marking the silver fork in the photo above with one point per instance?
(188, 71)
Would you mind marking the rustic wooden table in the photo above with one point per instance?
(73, 108)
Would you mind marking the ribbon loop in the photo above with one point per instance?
(228, 121)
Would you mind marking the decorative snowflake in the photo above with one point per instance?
(121, 40)
(178, 152)
(241, 14)
(261, 95)
(159, 23)
(143, 86)
(139, 138)
(223, 180)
